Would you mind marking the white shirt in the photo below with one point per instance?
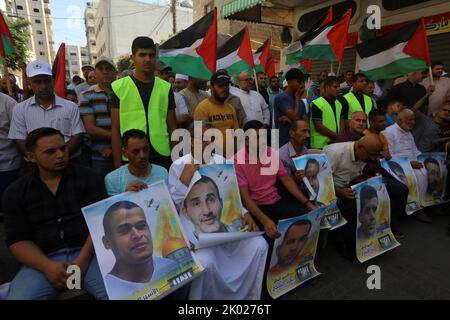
(344, 165)
(181, 106)
(254, 105)
(401, 142)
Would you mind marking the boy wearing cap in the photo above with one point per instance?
(215, 110)
(45, 109)
(86, 69)
(144, 102)
(94, 112)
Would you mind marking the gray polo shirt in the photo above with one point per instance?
(9, 156)
(287, 153)
(63, 115)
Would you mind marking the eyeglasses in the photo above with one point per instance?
(248, 79)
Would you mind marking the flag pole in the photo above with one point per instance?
(331, 67)
(339, 69)
(6, 74)
(256, 80)
(430, 73)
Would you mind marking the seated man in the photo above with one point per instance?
(357, 125)
(401, 143)
(128, 236)
(234, 270)
(44, 226)
(139, 172)
(347, 161)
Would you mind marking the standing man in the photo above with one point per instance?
(288, 104)
(273, 90)
(348, 83)
(10, 159)
(409, 91)
(261, 78)
(254, 104)
(45, 109)
(180, 83)
(357, 100)
(44, 226)
(194, 93)
(83, 86)
(441, 92)
(326, 115)
(215, 110)
(95, 115)
(144, 102)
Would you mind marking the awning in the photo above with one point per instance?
(230, 7)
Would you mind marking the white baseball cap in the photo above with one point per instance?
(38, 68)
(181, 76)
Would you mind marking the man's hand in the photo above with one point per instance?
(284, 120)
(56, 273)
(106, 153)
(416, 165)
(430, 89)
(299, 93)
(299, 174)
(270, 228)
(311, 206)
(248, 221)
(346, 193)
(136, 186)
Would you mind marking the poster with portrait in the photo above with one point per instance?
(373, 229)
(140, 246)
(212, 211)
(319, 182)
(292, 261)
(400, 168)
(434, 164)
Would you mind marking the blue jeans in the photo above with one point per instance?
(30, 284)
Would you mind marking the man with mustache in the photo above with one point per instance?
(139, 172)
(367, 214)
(203, 207)
(288, 252)
(128, 236)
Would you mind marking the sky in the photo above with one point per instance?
(68, 21)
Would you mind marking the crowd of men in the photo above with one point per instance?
(112, 133)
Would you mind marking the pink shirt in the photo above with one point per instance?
(439, 96)
(262, 188)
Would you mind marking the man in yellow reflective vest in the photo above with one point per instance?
(356, 100)
(144, 102)
(326, 115)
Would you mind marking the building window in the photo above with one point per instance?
(310, 19)
(38, 31)
(392, 5)
(40, 42)
(74, 63)
(35, 10)
(41, 53)
(19, 7)
(37, 21)
(73, 54)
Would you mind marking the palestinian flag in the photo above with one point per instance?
(270, 66)
(294, 48)
(236, 54)
(396, 53)
(261, 56)
(59, 71)
(7, 44)
(327, 42)
(193, 51)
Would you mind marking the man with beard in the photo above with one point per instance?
(367, 214)
(289, 251)
(128, 236)
(139, 172)
(194, 93)
(216, 111)
(434, 176)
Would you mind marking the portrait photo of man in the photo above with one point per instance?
(127, 234)
(289, 252)
(434, 176)
(203, 207)
(398, 171)
(367, 214)
(312, 170)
